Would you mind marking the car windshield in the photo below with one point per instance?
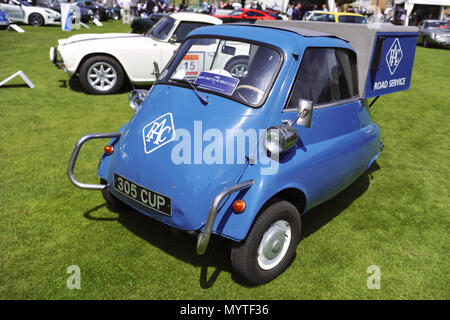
(236, 12)
(26, 4)
(352, 19)
(434, 24)
(239, 70)
(162, 28)
(322, 17)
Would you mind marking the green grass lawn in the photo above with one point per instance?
(396, 216)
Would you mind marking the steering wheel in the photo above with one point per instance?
(248, 87)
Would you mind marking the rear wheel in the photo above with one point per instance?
(35, 19)
(270, 245)
(101, 75)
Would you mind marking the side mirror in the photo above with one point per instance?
(156, 69)
(173, 38)
(305, 111)
(137, 96)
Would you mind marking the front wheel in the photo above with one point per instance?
(101, 75)
(270, 245)
(426, 43)
(35, 19)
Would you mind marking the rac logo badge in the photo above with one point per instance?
(158, 133)
(394, 56)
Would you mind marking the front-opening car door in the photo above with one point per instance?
(13, 9)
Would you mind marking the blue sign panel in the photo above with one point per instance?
(394, 59)
(217, 82)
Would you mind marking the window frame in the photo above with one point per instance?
(328, 104)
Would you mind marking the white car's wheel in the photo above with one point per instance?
(36, 19)
(238, 67)
(101, 75)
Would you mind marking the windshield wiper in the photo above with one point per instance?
(202, 99)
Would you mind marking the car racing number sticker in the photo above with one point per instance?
(144, 196)
(192, 63)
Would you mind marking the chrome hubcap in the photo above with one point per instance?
(102, 76)
(274, 245)
(239, 70)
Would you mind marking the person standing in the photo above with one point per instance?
(133, 8)
(289, 11)
(296, 13)
(205, 7)
(125, 10)
(150, 6)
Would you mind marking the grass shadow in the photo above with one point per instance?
(75, 85)
(19, 85)
(319, 216)
(182, 245)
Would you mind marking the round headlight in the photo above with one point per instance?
(280, 138)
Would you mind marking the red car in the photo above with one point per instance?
(246, 15)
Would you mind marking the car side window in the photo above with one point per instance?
(185, 27)
(254, 14)
(326, 75)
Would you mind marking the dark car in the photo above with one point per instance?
(56, 5)
(98, 10)
(245, 15)
(4, 20)
(114, 12)
(434, 32)
(142, 25)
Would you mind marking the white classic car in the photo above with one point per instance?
(23, 12)
(104, 62)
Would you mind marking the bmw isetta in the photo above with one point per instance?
(244, 156)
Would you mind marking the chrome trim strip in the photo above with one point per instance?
(74, 156)
(327, 105)
(205, 235)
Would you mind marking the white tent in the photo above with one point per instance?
(409, 5)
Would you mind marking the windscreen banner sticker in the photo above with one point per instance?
(193, 63)
(395, 68)
(217, 82)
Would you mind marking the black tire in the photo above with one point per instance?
(115, 16)
(245, 256)
(113, 203)
(236, 66)
(101, 63)
(36, 20)
(425, 42)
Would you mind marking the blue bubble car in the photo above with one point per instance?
(250, 126)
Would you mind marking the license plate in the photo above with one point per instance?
(144, 196)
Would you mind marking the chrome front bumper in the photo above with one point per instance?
(74, 157)
(204, 236)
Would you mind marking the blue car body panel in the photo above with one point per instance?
(342, 142)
